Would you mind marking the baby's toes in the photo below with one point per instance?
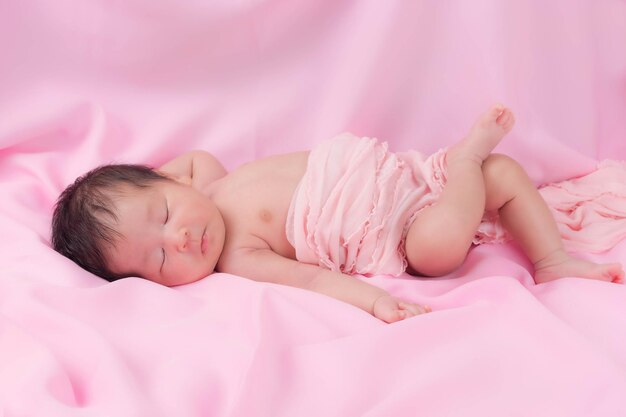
(495, 112)
(615, 272)
(506, 120)
(504, 117)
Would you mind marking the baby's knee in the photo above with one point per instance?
(436, 256)
(437, 264)
(500, 167)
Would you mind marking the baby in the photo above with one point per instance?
(312, 219)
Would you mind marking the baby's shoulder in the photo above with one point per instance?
(267, 182)
(286, 165)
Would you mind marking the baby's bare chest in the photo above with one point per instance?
(257, 201)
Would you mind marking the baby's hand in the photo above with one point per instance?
(391, 309)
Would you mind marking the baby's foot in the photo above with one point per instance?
(562, 265)
(486, 133)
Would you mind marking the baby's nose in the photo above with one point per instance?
(181, 239)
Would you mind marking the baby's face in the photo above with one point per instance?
(171, 234)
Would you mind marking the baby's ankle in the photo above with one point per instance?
(459, 154)
(553, 258)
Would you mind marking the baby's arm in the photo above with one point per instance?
(266, 265)
(195, 168)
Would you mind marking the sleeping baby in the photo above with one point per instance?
(314, 219)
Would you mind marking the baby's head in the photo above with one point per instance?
(123, 220)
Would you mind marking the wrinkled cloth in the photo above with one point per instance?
(590, 211)
(92, 82)
(356, 201)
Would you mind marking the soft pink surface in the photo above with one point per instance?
(88, 82)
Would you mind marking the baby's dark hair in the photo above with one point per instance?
(85, 211)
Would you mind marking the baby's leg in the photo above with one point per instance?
(439, 238)
(526, 216)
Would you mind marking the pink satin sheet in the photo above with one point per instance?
(87, 82)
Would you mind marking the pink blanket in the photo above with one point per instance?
(88, 82)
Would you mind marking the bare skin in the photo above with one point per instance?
(253, 200)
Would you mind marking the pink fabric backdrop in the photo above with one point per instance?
(88, 82)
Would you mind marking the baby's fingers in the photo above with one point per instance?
(414, 309)
(394, 316)
(390, 315)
